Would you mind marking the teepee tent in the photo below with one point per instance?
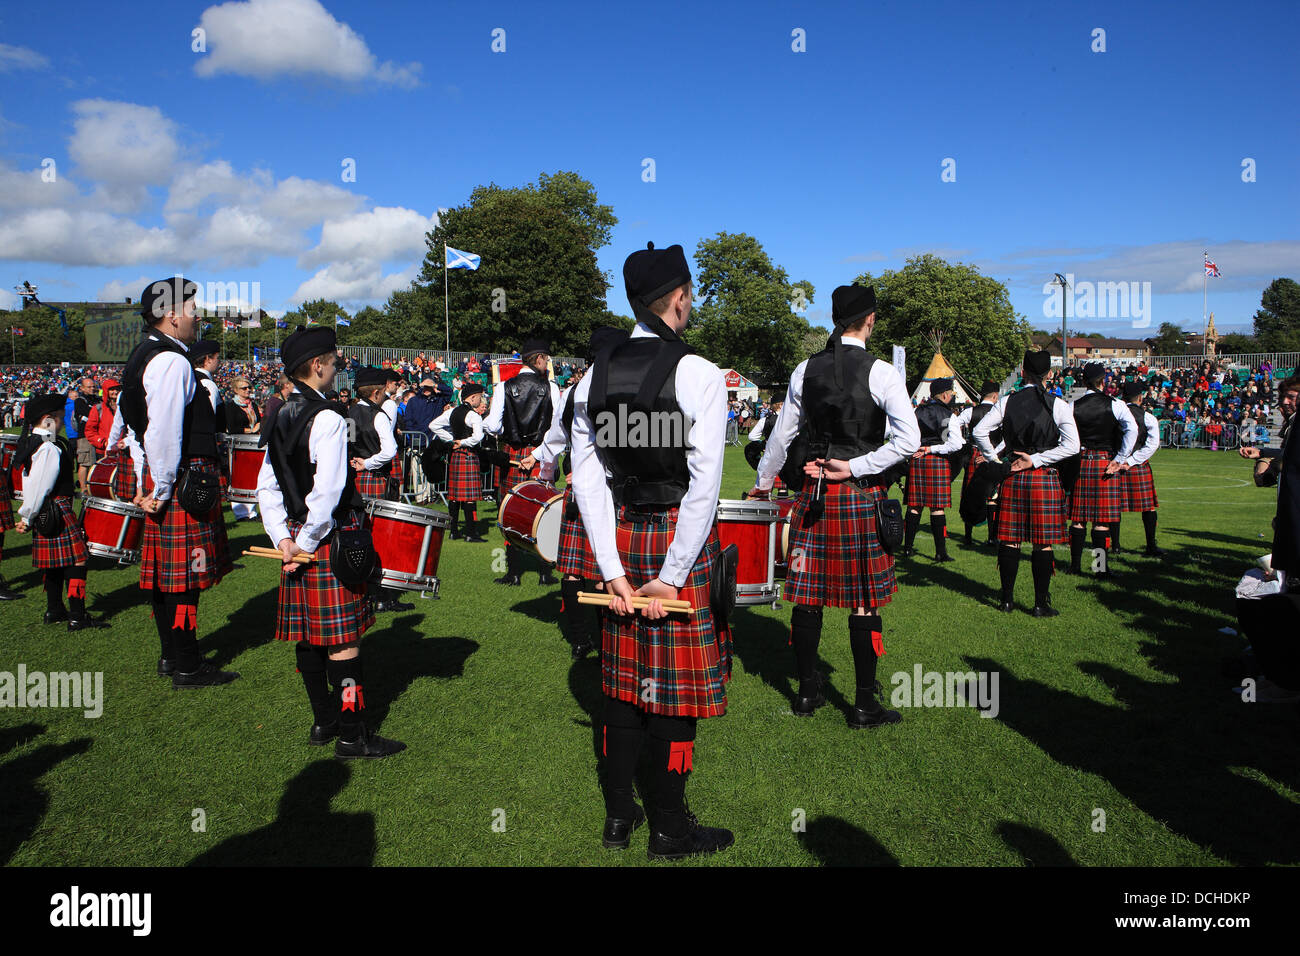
(939, 368)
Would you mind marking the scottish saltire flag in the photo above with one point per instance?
(461, 260)
(1211, 269)
(281, 324)
(339, 320)
(206, 326)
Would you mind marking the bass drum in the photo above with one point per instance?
(530, 517)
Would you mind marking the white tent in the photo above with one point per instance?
(939, 368)
(741, 386)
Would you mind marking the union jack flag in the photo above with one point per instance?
(1211, 269)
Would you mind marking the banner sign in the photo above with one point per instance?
(111, 340)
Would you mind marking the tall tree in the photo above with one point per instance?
(1277, 322)
(43, 340)
(1171, 340)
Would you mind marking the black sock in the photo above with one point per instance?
(624, 731)
(76, 578)
(672, 747)
(167, 647)
(993, 523)
(181, 614)
(514, 560)
(1008, 567)
(594, 621)
(1101, 539)
(346, 678)
(1149, 526)
(574, 612)
(805, 635)
(471, 518)
(311, 665)
(1114, 533)
(910, 524)
(867, 647)
(1041, 562)
(969, 536)
(54, 591)
(454, 508)
(1076, 548)
(939, 528)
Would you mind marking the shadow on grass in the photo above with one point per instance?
(22, 802)
(397, 655)
(1035, 847)
(305, 832)
(763, 646)
(836, 842)
(249, 625)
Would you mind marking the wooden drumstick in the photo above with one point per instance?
(256, 552)
(639, 602)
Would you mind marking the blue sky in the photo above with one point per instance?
(1116, 166)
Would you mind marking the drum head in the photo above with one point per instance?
(546, 529)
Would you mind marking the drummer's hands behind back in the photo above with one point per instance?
(620, 601)
(656, 590)
(288, 548)
(832, 469)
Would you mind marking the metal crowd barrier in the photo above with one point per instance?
(1176, 434)
(418, 489)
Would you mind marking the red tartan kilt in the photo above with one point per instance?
(1096, 495)
(68, 548)
(372, 484)
(1031, 508)
(779, 488)
(512, 475)
(171, 539)
(464, 480)
(6, 503)
(838, 560)
(976, 459)
(929, 482)
(678, 665)
(315, 607)
(124, 483)
(575, 557)
(1140, 489)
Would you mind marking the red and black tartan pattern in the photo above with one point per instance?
(124, 483)
(575, 557)
(929, 482)
(678, 666)
(68, 548)
(837, 561)
(976, 459)
(315, 607)
(464, 478)
(1096, 495)
(1031, 508)
(372, 484)
(6, 503)
(512, 475)
(1140, 489)
(779, 488)
(171, 538)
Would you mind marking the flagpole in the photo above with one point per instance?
(1205, 297)
(446, 298)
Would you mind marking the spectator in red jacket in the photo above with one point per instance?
(100, 422)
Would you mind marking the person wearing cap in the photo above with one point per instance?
(123, 444)
(306, 488)
(100, 421)
(462, 425)
(830, 442)
(980, 503)
(762, 432)
(1139, 487)
(205, 355)
(1107, 433)
(575, 562)
(49, 464)
(929, 474)
(520, 414)
(1038, 430)
(649, 509)
(181, 554)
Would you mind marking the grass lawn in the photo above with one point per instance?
(1117, 705)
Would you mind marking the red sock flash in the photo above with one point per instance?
(679, 755)
(187, 617)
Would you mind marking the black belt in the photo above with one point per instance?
(645, 517)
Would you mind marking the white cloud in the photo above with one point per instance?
(25, 189)
(267, 38)
(118, 290)
(123, 144)
(380, 235)
(354, 282)
(81, 237)
(20, 58)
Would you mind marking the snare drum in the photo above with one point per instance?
(8, 452)
(102, 479)
(753, 527)
(530, 517)
(113, 529)
(245, 463)
(408, 541)
(784, 506)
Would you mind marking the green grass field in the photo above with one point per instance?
(1117, 705)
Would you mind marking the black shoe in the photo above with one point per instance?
(941, 558)
(906, 552)
(394, 604)
(1006, 607)
(456, 536)
(206, 676)
(860, 718)
(1116, 549)
(806, 706)
(618, 830)
(510, 579)
(475, 539)
(321, 734)
(1107, 575)
(166, 668)
(1044, 610)
(698, 841)
(369, 745)
(1151, 552)
(547, 578)
(582, 649)
(88, 622)
(8, 595)
(54, 617)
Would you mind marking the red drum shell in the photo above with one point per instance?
(245, 465)
(113, 529)
(100, 480)
(399, 531)
(752, 526)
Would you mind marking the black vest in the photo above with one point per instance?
(566, 413)
(977, 415)
(932, 416)
(1140, 417)
(526, 414)
(643, 447)
(286, 448)
(456, 422)
(1027, 423)
(365, 438)
(840, 423)
(1099, 429)
(65, 481)
(199, 422)
(768, 424)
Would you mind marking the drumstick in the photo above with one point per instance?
(301, 557)
(639, 602)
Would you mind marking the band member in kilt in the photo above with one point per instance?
(372, 449)
(975, 511)
(1139, 487)
(521, 412)
(929, 475)
(462, 425)
(649, 508)
(1038, 430)
(833, 428)
(6, 524)
(305, 489)
(576, 564)
(49, 465)
(1107, 433)
(762, 432)
(182, 552)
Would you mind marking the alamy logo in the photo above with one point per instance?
(637, 429)
(75, 908)
(84, 691)
(946, 689)
(1100, 300)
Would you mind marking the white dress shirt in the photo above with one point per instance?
(494, 423)
(119, 432)
(887, 391)
(702, 396)
(387, 443)
(441, 426)
(169, 383)
(1142, 455)
(389, 408)
(756, 432)
(1062, 414)
(38, 482)
(954, 440)
(554, 442)
(327, 449)
(1127, 425)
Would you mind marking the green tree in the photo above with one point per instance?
(1171, 340)
(983, 336)
(43, 340)
(1277, 322)
(1235, 343)
(743, 316)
